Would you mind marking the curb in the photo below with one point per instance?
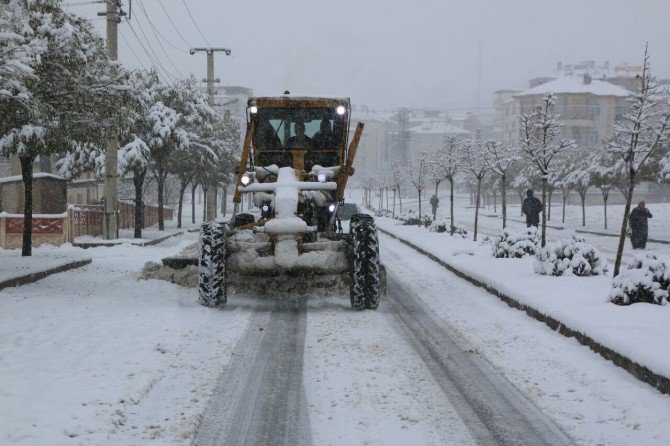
(659, 382)
(109, 245)
(34, 277)
(651, 240)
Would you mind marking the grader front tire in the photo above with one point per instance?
(212, 265)
(365, 267)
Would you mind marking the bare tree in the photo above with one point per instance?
(641, 132)
(542, 145)
(397, 179)
(473, 160)
(580, 179)
(501, 158)
(445, 164)
(603, 173)
(417, 172)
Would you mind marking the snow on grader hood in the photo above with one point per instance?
(296, 161)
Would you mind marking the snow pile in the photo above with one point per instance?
(516, 244)
(187, 277)
(645, 280)
(570, 256)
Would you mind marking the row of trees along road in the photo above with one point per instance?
(546, 160)
(60, 95)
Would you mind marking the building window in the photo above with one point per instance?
(592, 138)
(592, 109)
(4, 160)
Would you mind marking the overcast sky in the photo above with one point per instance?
(390, 53)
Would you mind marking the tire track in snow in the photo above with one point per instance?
(260, 398)
(494, 411)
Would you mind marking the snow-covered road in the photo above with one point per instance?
(94, 356)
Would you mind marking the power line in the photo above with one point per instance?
(174, 26)
(132, 50)
(195, 23)
(169, 75)
(147, 53)
(158, 40)
(157, 31)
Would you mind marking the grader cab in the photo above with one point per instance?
(296, 161)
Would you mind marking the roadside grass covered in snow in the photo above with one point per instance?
(639, 332)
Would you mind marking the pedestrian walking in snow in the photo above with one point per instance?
(434, 202)
(639, 226)
(532, 206)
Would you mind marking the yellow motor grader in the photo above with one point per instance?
(295, 162)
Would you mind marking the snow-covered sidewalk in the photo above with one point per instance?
(150, 236)
(639, 332)
(45, 260)
(96, 356)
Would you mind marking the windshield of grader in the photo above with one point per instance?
(297, 128)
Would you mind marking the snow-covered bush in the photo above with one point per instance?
(461, 230)
(439, 226)
(383, 213)
(570, 256)
(516, 244)
(411, 217)
(486, 240)
(645, 280)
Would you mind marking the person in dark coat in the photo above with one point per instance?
(639, 227)
(532, 206)
(434, 201)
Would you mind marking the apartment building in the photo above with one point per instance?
(588, 107)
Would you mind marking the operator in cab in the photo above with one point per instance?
(300, 140)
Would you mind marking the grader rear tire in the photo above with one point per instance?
(212, 265)
(365, 268)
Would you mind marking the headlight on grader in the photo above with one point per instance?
(246, 179)
(321, 177)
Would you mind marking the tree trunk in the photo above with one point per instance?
(451, 205)
(624, 226)
(27, 174)
(544, 212)
(420, 215)
(393, 202)
(204, 203)
(503, 179)
(605, 197)
(161, 183)
(550, 194)
(495, 202)
(565, 197)
(182, 189)
(193, 188)
(400, 200)
(582, 195)
(479, 186)
(138, 181)
(224, 199)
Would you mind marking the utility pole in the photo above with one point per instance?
(211, 191)
(109, 222)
